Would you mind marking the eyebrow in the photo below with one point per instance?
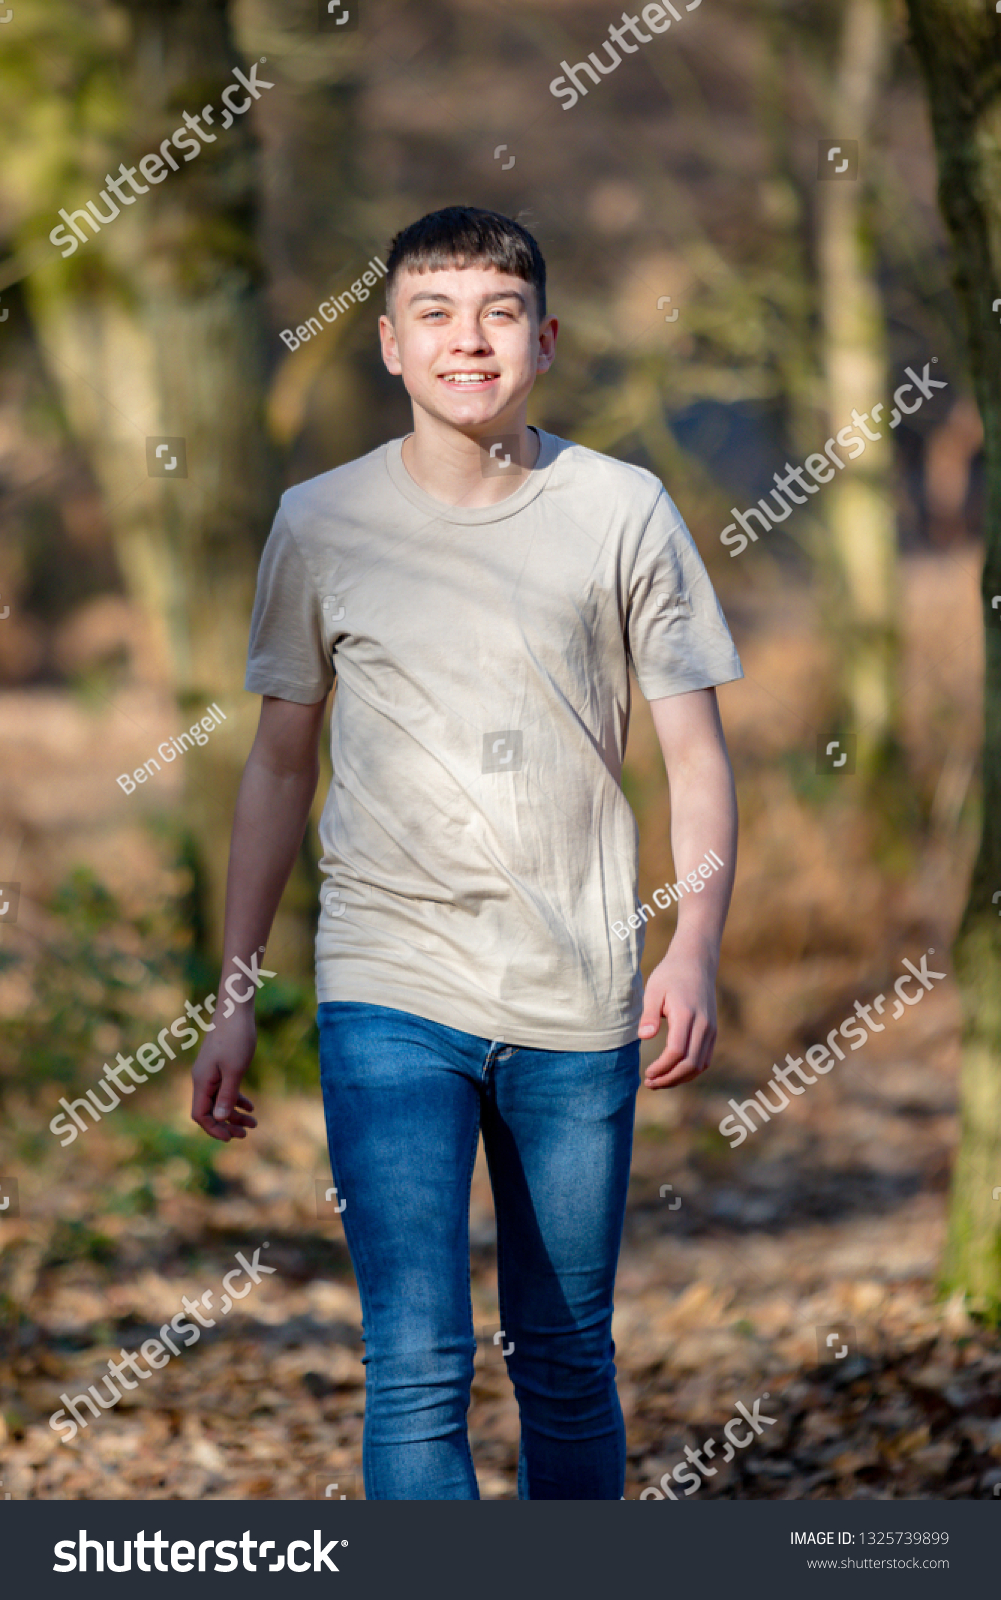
(447, 299)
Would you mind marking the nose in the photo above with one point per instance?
(469, 336)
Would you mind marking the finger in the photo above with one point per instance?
(237, 1122)
(708, 1047)
(244, 1103)
(228, 1095)
(679, 1028)
(670, 1079)
(203, 1105)
(237, 1119)
(234, 1126)
(686, 1071)
(673, 1079)
(203, 1096)
(695, 1055)
(689, 1066)
(215, 1130)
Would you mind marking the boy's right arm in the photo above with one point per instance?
(272, 809)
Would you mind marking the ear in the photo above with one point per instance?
(390, 346)
(548, 330)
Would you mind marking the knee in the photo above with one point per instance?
(563, 1367)
(429, 1364)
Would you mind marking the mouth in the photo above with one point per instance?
(469, 380)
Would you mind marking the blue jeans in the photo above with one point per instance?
(405, 1100)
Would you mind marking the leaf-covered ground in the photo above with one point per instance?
(829, 1220)
(832, 1220)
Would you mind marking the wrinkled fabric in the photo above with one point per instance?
(477, 846)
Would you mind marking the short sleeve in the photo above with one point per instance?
(676, 634)
(287, 657)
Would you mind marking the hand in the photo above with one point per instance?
(682, 989)
(217, 1104)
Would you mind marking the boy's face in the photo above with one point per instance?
(467, 343)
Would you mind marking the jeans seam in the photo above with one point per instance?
(357, 1256)
(474, 1146)
(501, 1298)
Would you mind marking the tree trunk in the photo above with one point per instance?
(157, 327)
(959, 46)
(860, 516)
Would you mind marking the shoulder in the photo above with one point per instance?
(590, 474)
(333, 493)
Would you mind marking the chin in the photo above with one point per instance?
(466, 415)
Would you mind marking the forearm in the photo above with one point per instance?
(703, 816)
(272, 810)
(682, 987)
(703, 819)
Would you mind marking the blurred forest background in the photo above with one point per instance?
(692, 172)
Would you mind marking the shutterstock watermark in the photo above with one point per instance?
(10, 895)
(156, 168)
(335, 15)
(503, 751)
(335, 1485)
(166, 455)
(822, 467)
(684, 1473)
(855, 1027)
(151, 1057)
(330, 309)
(178, 1555)
(837, 1343)
(501, 456)
(154, 1351)
(328, 1201)
(172, 748)
(658, 20)
(692, 883)
(837, 161)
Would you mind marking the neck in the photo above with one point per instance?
(450, 465)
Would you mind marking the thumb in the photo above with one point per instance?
(228, 1091)
(653, 1011)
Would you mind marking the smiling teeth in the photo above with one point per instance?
(468, 377)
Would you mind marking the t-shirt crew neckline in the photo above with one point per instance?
(533, 485)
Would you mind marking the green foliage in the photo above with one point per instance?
(157, 1143)
(77, 1241)
(87, 986)
(88, 1002)
(287, 1039)
(813, 788)
(710, 1150)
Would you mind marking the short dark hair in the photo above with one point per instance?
(465, 236)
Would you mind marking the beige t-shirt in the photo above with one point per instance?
(477, 846)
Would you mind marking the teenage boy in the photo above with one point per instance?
(480, 590)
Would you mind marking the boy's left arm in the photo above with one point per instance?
(703, 817)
